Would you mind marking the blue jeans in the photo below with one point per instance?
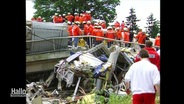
(76, 40)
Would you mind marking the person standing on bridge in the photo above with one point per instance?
(111, 35)
(76, 31)
(157, 41)
(99, 33)
(141, 38)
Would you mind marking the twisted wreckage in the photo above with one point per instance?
(84, 72)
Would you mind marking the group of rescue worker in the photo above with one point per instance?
(82, 24)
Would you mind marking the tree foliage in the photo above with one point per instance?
(100, 9)
(132, 21)
(153, 26)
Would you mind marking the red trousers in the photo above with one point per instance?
(145, 98)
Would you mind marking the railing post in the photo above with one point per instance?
(54, 47)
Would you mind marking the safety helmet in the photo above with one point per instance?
(158, 34)
(69, 22)
(125, 29)
(88, 22)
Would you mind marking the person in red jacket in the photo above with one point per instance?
(116, 24)
(60, 19)
(39, 19)
(69, 30)
(76, 31)
(154, 57)
(126, 37)
(110, 34)
(141, 38)
(70, 17)
(33, 19)
(98, 32)
(157, 41)
(122, 26)
(55, 18)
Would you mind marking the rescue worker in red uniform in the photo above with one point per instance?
(153, 55)
(39, 19)
(157, 41)
(33, 19)
(55, 18)
(116, 24)
(69, 30)
(110, 34)
(60, 19)
(122, 26)
(141, 38)
(103, 24)
(76, 31)
(88, 15)
(89, 32)
(76, 17)
(126, 37)
(70, 17)
(118, 35)
(98, 32)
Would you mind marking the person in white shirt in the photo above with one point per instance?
(143, 80)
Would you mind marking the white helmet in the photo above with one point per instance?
(99, 27)
(69, 22)
(109, 27)
(117, 28)
(158, 34)
(88, 22)
(125, 29)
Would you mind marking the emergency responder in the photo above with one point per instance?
(76, 31)
(141, 38)
(69, 30)
(70, 17)
(110, 34)
(39, 19)
(55, 18)
(153, 55)
(126, 37)
(98, 32)
(119, 35)
(157, 41)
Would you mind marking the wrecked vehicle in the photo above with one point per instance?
(98, 70)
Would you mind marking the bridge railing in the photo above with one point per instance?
(56, 44)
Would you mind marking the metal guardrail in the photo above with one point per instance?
(61, 43)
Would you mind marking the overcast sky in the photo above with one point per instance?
(143, 9)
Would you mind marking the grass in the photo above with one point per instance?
(127, 99)
(113, 99)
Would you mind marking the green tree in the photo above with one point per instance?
(153, 26)
(132, 20)
(132, 23)
(100, 9)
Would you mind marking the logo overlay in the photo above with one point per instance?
(18, 92)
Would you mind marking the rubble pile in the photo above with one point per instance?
(95, 74)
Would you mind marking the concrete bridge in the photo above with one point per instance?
(44, 45)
